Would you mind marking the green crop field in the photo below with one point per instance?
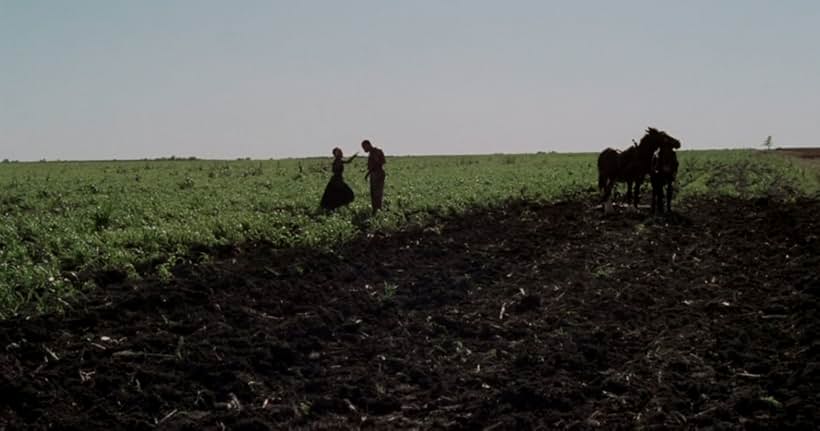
(61, 220)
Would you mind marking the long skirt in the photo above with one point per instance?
(337, 194)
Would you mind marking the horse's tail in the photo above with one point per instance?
(606, 161)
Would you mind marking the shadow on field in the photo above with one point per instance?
(521, 316)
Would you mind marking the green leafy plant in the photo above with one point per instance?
(59, 218)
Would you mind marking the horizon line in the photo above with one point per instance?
(174, 158)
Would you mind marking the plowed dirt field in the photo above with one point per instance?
(524, 316)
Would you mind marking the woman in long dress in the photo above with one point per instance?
(337, 193)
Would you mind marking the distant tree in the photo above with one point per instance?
(5, 160)
(768, 143)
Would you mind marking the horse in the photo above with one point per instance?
(630, 166)
(662, 173)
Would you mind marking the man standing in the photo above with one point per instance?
(375, 171)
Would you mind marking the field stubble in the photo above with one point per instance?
(530, 310)
(522, 316)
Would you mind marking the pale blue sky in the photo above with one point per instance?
(103, 79)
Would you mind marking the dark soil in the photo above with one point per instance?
(805, 153)
(526, 316)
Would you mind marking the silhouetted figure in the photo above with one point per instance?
(337, 193)
(630, 166)
(375, 171)
(663, 172)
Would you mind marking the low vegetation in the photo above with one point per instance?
(62, 221)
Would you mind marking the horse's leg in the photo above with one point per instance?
(669, 197)
(637, 192)
(654, 194)
(628, 192)
(659, 197)
(608, 194)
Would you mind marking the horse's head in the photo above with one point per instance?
(655, 139)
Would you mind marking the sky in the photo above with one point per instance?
(114, 79)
